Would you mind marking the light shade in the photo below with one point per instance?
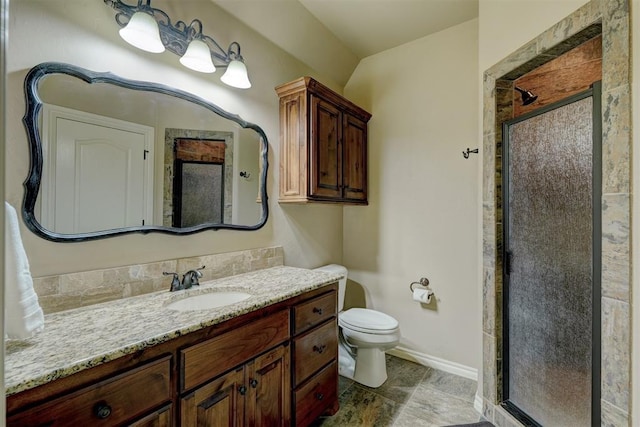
(236, 75)
(198, 57)
(142, 32)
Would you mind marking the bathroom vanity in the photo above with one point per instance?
(270, 359)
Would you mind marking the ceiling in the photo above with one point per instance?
(332, 36)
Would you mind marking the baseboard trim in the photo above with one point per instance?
(477, 403)
(435, 362)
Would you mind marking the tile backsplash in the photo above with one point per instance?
(67, 291)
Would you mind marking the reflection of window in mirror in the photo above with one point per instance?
(198, 182)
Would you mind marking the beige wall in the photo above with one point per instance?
(85, 34)
(421, 219)
(506, 25)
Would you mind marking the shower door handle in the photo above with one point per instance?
(508, 258)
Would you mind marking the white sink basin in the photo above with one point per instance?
(208, 300)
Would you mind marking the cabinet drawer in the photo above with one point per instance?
(109, 402)
(317, 395)
(315, 349)
(313, 312)
(207, 360)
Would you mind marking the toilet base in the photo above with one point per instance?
(369, 368)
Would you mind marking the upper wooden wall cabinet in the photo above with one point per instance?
(323, 145)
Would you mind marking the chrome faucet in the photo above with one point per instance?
(175, 282)
(191, 278)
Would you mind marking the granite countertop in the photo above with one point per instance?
(85, 337)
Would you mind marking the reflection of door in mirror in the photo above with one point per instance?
(198, 188)
(98, 173)
(192, 152)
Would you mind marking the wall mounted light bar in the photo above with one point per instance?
(151, 30)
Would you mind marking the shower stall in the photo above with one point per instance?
(551, 192)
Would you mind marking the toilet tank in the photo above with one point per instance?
(342, 283)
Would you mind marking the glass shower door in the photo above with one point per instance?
(552, 265)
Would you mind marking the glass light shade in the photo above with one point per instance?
(198, 57)
(142, 32)
(236, 75)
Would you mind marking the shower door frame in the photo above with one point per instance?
(596, 188)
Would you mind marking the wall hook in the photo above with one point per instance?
(466, 153)
(245, 174)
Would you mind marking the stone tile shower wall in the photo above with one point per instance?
(612, 18)
(67, 291)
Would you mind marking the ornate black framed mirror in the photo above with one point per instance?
(105, 152)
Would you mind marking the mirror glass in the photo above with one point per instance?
(111, 156)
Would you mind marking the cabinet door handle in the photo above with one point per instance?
(317, 310)
(242, 390)
(319, 396)
(319, 349)
(102, 410)
(253, 383)
(267, 368)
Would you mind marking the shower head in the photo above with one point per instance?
(527, 96)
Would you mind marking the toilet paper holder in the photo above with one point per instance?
(424, 282)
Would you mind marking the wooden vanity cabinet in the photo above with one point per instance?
(121, 399)
(256, 393)
(253, 393)
(323, 145)
(315, 355)
(243, 372)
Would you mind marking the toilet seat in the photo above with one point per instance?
(368, 321)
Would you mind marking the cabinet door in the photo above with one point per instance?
(269, 401)
(219, 403)
(355, 158)
(293, 147)
(325, 161)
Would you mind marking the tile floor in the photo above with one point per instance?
(412, 396)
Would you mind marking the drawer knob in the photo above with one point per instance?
(319, 396)
(319, 349)
(253, 383)
(102, 410)
(317, 310)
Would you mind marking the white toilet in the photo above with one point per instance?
(365, 335)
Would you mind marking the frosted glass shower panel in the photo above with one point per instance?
(549, 287)
(200, 204)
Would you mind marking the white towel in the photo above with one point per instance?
(22, 312)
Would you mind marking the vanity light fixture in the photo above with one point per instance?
(151, 29)
(142, 32)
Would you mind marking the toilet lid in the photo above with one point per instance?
(370, 321)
